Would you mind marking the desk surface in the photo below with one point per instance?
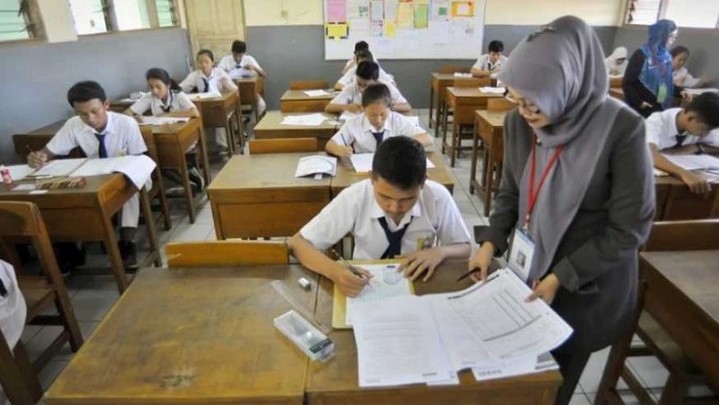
(493, 118)
(297, 95)
(192, 336)
(272, 121)
(449, 77)
(470, 92)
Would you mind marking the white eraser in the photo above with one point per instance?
(304, 283)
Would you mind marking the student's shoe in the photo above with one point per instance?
(128, 252)
(68, 256)
(196, 180)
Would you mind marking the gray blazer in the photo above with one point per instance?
(596, 261)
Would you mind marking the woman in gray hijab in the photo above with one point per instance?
(577, 191)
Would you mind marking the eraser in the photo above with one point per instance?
(304, 283)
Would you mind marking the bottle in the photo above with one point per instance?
(6, 178)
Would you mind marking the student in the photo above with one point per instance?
(100, 133)
(689, 130)
(363, 133)
(681, 75)
(240, 64)
(208, 79)
(396, 203)
(349, 77)
(167, 99)
(490, 62)
(617, 62)
(350, 99)
(352, 62)
(13, 311)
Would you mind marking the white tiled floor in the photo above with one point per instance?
(93, 295)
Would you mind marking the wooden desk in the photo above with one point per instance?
(464, 101)
(35, 139)
(119, 106)
(298, 101)
(269, 127)
(251, 90)
(257, 196)
(217, 113)
(336, 382)
(675, 202)
(489, 127)
(347, 176)
(439, 82)
(193, 336)
(681, 294)
(85, 214)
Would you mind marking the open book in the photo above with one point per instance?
(316, 165)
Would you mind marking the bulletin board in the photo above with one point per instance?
(405, 29)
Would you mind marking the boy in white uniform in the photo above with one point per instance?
(349, 76)
(100, 133)
(13, 311)
(691, 130)
(239, 64)
(491, 62)
(396, 212)
(350, 98)
(363, 133)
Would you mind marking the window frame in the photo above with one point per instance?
(111, 23)
(33, 24)
(663, 5)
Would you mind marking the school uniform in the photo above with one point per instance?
(349, 77)
(434, 220)
(241, 69)
(176, 101)
(359, 133)
(483, 63)
(13, 311)
(661, 130)
(681, 77)
(353, 95)
(351, 61)
(121, 137)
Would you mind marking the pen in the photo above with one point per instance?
(348, 265)
(467, 274)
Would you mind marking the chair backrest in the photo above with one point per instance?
(454, 69)
(282, 145)
(477, 82)
(683, 235)
(226, 253)
(309, 84)
(499, 104)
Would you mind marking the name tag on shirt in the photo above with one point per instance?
(521, 254)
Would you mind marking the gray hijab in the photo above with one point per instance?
(561, 70)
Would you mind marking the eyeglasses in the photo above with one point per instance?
(522, 103)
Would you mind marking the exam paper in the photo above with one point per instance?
(694, 162)
(137, 168)
(522, 366)
(362, 162)
(310, 120)
(387, 281)
(59, 167)
(460, 74)
(200, 96)
(493, 90)
(316, 164)
(316, 93)
(19, 172)
(149, 120)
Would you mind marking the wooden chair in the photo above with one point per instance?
(449, 69)
(17, 377)
(309, 84)
(665, 236)
(282, 145)
(22, 220)
(226, 253)
(158, 187)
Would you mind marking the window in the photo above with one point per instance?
(90, 16)
(166, 14)
(96, 16)
(16, 20)
(685, 13)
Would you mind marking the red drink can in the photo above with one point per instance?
(5, 173)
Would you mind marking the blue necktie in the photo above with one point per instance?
(207, 85)
(378, 136)
(394, 239)
(680, 140)
(101, 150)
(238, 66)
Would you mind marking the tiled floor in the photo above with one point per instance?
(93, 295)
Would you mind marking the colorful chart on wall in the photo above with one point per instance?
(405, 29)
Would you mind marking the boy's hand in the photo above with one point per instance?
(350, 284)
(354, 108)
(696, 182)
(346, 152)
(36, 159)
(422, 261)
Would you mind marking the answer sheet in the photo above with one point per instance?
(58, 167)
(387, 281)
(362, 162)
(309, 120)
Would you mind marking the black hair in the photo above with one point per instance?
(85, 91)
(206, 52)
(364, 55)
(496, 46)
(706, 107)
(678, 50)
(239, 46)
(375, 93)
(400, 161)
(368, 70)
(361, 46)
(162, 75)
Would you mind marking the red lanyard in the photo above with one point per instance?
(533, 194)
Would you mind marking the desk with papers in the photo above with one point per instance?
(276, 124)
(300, 101)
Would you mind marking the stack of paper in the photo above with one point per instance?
(306, 120)
(58, 167)
(362, 162)
(492, 90)
(316, 93)
(201, 96)
(316, 164)
(696, 92)
(149, 120)
(460, 74)
(488, 327)
(19, 172)
(137, 168)
(694, 162)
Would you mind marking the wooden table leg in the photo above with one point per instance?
(150, 226)
(487, 176)
(431, 103)
(188, 190)
(204, 160)
(475, 157)
(113, 252)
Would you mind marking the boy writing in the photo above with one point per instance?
(350, 99)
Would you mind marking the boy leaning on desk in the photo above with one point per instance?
(397, 212)
(100, 133)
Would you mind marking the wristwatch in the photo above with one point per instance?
(700, 149)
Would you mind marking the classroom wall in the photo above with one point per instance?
(38, 75)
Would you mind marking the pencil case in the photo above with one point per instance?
(315, 344)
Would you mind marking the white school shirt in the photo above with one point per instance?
(13, 309)
(123, 137)
(358, 131)
(353, 95)
(349, 77)
(352, 60)
(661, 129)
(228, 64)
(483, 62)
(194, 81)
(177, 101)
(682, 78)
(435, 221)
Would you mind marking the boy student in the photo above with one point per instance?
(350, 99)
(685, 131)
(352, 62)
(100, 133)
(363, 133)
(206, 79)
(349, 77)
(396, 212)
(490, 62)
(240, 64)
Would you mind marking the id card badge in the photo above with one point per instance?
(427, 242)
(662, 93)
(521, 254)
